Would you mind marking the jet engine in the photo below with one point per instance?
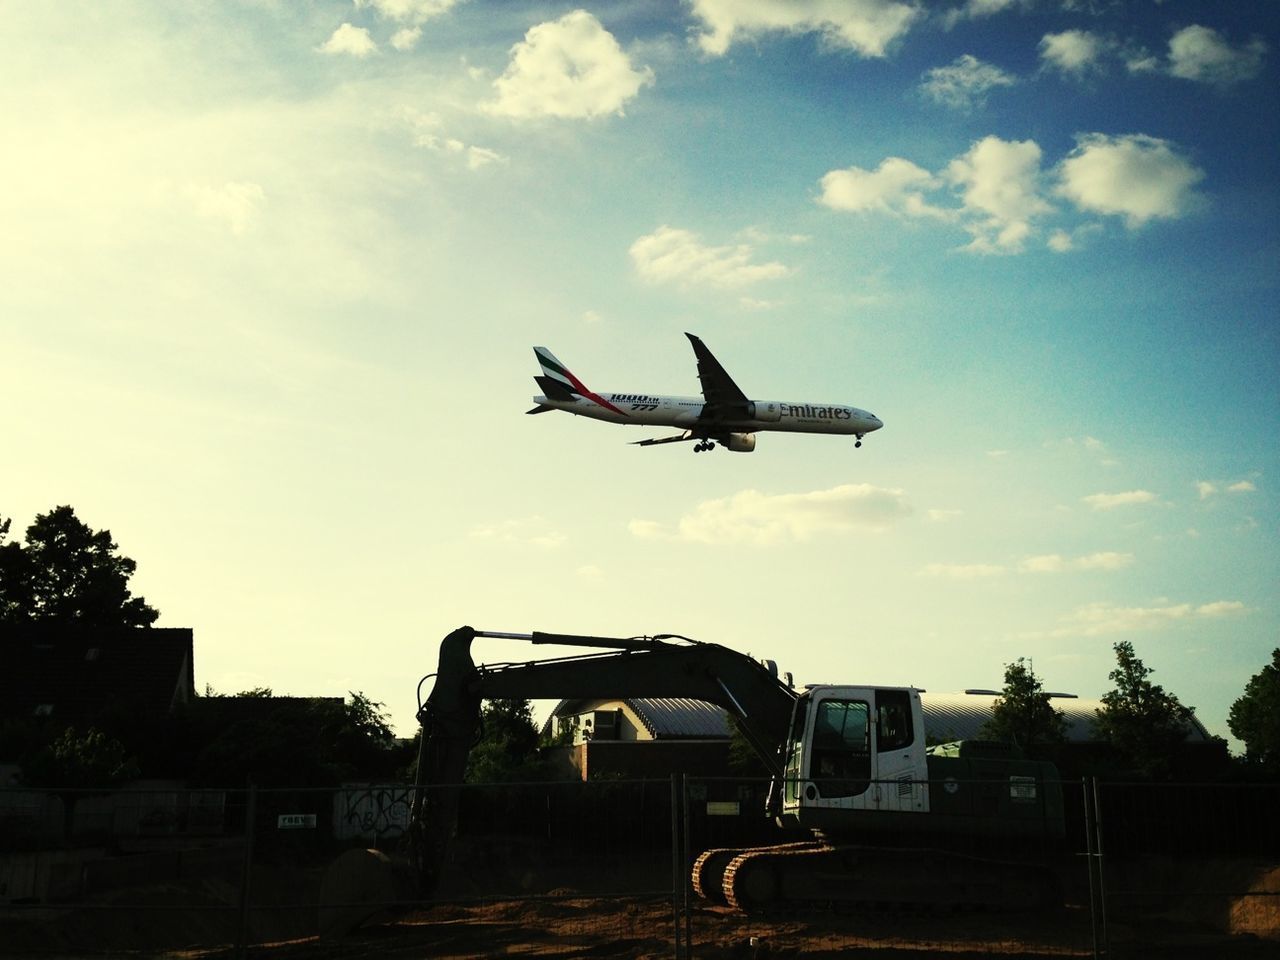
(770, 411)
(741, 442)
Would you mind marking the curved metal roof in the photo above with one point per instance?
(678, 717)
(961, 716)
(664, 717)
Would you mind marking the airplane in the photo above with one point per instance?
(722, 415)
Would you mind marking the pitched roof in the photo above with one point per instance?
(74, 674)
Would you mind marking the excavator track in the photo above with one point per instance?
(708, 875)
(799, 876)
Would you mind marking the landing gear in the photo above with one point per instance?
(704, 445)
(858, 442)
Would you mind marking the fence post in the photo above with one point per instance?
(250, 816)
(675, 862)
(1102, 879)
(686, 862)
(1088, 860)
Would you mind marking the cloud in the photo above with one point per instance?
(1137, 177)
(568, 68)
(999, 182)
(1054, 563)
(866, 27)
(975, 9)
(426, 132)
(1202, 54)
(406, 38)
(235, 205)
(962, 571)
(942, 516)
(1002, 195)
(1073, 51)
(897, 187)
(1098, 619)
(1208, 488)
(532, 531)
(349, 40)
(408, 11)
(965, 83)
(1109, 501)
(761, 519)
(671, 255)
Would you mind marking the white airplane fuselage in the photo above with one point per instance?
(662, 411)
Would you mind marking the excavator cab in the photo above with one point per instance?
(854, 750)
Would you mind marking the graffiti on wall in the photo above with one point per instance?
(371, 811)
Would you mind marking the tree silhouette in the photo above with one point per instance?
(1022, 713)
(1144, 723)
(1255, 716)
(67, 573)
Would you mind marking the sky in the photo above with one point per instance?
(271, 273)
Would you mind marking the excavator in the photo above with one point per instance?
(851, 776)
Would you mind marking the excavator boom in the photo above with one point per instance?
(666, 666)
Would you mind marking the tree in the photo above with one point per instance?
(1255, 716)
(1022, 713)
(74, 766)
(1144, 723)
(68, 574)
(508, 747)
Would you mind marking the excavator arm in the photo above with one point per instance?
(665, 666)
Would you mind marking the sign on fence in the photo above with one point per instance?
(296, 821)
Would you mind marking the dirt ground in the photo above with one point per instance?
(634, 928)
(198, 920)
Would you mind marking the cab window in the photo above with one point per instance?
(841, 765)
(893, 720)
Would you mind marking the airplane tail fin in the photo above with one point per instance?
(555, 371)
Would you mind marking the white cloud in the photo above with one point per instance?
(532, 531)
(568, 68)
(406, 38)
(1137, 177)
(427, 133)
(758, 518)
(1208, 488)
(671, 255)
(408, 11)
(867, 27)
(1054, 563)
(897, 186)
(965, 83)
(941, 516)
(1109, 501)
(349, 40)
(962, 571)
(235, 205)
(1202, 54)
(1101, 618)
(975, 9)
(1073, 51)
(1000, 186)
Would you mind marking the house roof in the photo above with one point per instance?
(74, 674)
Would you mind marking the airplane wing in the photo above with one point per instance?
(718, 389)
(687, 435)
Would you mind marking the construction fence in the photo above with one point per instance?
(602, 868)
